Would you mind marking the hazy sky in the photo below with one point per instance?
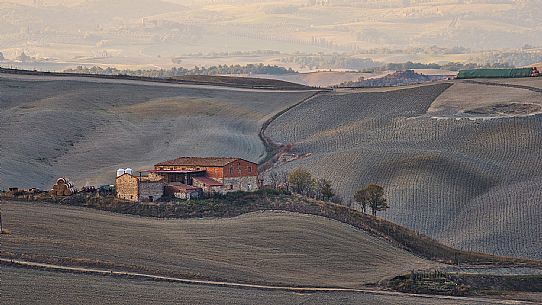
(155, 31)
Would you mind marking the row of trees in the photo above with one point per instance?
(301, 182)
(180, 71)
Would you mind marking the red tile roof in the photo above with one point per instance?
(189, 171)
(199, 161)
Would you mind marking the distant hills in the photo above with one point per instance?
(155, 32)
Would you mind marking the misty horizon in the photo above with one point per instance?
(149, 34)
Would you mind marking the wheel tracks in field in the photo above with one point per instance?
(272, 148)
(235, 285)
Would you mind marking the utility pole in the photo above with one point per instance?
(1, 228)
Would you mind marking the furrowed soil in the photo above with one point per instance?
(86, 128)
(22, 286)
(264, 247)
(473, 184)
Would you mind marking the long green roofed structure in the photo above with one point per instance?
(495, 73)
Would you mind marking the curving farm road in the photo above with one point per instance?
(134, 275)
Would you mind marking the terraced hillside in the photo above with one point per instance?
(472, 184)
(22, 286)
(267, 247)
(85, 128)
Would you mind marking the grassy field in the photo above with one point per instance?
(472, 184)
(265, 247)
(21, 286)
(86, 128)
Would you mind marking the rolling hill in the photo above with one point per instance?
(85, 128)
(466, 180)
(460, 166)
(278, 248)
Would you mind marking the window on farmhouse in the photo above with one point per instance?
(231, 170)
(250, 169)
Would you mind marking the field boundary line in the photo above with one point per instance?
(142, 276)
(533, 89)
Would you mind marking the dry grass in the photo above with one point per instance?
(320, 78)
(21, 286)
(264, 247)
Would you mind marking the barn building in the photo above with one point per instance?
(188, 178)
(235, 174)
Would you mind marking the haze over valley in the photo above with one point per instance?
(55, 35)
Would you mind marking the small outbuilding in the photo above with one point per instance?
(209, 186)
(132, 188)
(183, 191)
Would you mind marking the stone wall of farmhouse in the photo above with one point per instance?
(246, 184)
(150, 191)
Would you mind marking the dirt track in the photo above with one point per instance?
(332, 295)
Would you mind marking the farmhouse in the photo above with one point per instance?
(235, 174)
(188, 178)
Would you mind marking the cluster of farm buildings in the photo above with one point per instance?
(188, 178)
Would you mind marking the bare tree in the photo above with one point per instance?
(283, 179)
(275, 179)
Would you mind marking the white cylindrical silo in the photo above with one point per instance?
(120, 172)
(129, 171)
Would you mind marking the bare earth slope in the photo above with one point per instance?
(86, 128)
(472, 184)
(490, 98)
(267, 247)
(21, 286)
